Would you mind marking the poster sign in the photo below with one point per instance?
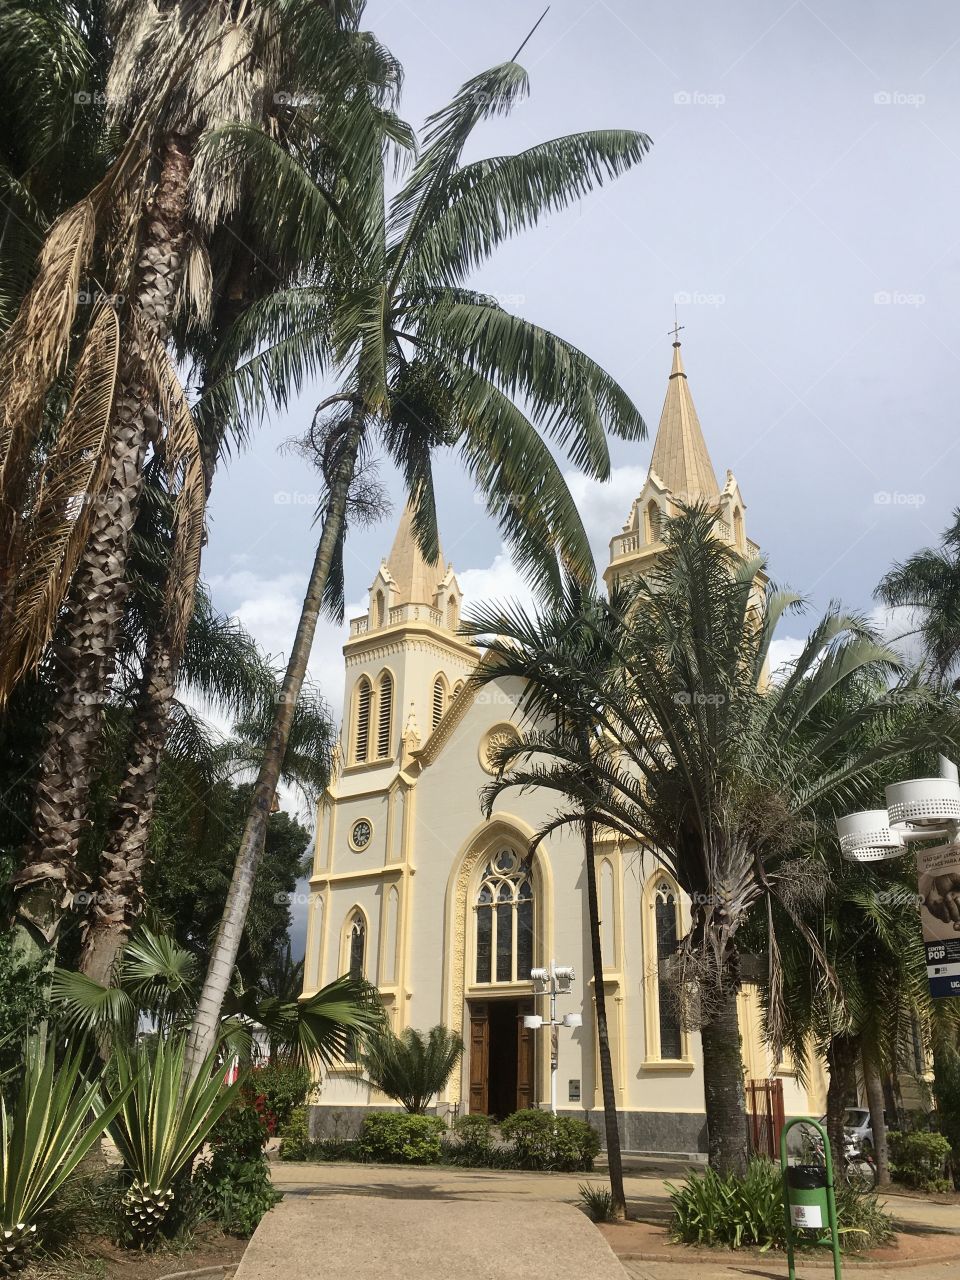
(806, 1215)
(939, 892)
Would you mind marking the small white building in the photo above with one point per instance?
(414, 889)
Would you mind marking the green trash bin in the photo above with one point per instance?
(807, 1196)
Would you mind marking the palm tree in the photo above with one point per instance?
(412, 1067)
(424, 362)
(715, 768)
(929, 580)
(571, 624)
(146, 231)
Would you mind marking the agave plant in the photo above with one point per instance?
(161, 1123)
(57, 1118)
(413, 1066)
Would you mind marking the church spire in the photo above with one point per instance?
(680, 458)
(417, 581)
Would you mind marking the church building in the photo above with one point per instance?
(414, 889)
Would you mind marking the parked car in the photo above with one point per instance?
(857, 1126)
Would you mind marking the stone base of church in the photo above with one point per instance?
(678, 1133)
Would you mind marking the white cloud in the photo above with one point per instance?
(783, 651)
(500, 581)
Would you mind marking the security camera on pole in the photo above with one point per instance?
(555, 981)
(922, 810)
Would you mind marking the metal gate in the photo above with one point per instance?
(765, 1116)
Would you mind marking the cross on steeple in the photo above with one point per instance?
(675, 331)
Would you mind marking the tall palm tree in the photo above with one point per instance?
(571, 624)
(423, 362)
(929, 581)
(715, 768)
(146, 231)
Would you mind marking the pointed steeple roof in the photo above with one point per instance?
(417, 580)
(680, 458)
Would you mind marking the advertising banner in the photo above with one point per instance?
(939, 889)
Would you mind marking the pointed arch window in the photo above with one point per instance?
(654, 518)
(439, 700)
(667, 921)
(380, 609)
(384, 715)
(361, 738)
(505, 922)
(357, 946)
(453, 613)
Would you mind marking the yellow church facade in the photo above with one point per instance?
(435, 905)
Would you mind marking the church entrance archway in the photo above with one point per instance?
(502, 1056)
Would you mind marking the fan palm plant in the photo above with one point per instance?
(423, 362)
(711, 765)
(55, 1121)
(412, 1067)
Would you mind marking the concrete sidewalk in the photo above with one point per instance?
(369, 1237)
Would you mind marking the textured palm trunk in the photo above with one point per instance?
(85, 654)
(118, 897)
(223, 958)
(723, 1090)
(843, 1053)
(618, 1204)
(873, 1085)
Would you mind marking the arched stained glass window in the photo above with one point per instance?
(358, 945)
(666, 915)
(504, 907)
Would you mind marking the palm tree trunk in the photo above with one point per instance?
(874, 1088)
(116, 902)
(84, 657)
(618, 1204)
(843, 1052)
(723, 1091)
(203, 1033)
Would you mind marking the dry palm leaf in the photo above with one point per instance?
(54, 528)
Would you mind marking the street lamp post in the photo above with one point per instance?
(555, 981)
(920, 811)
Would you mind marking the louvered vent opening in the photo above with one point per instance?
(437, 702)
(386, 712)
(363, 721)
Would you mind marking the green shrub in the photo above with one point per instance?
(399, 1138)
(735, 1212)
(276, 1089)
(295, 1141)
(471, 1143)
(233, 1185)
(919, 1160)
(542, 1141)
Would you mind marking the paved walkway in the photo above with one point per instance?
(496, 1222)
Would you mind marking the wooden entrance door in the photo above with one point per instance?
(508, 1094)
(479, 1058)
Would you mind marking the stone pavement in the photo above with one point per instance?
(372, 1237)
(508, 1225)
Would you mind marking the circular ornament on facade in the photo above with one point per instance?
(360, 834)
(495, 739)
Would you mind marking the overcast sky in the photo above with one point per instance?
(800, 203)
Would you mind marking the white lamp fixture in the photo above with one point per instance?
(532, 1021)
(923, 802)
(572, 1020)
(868, 837)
